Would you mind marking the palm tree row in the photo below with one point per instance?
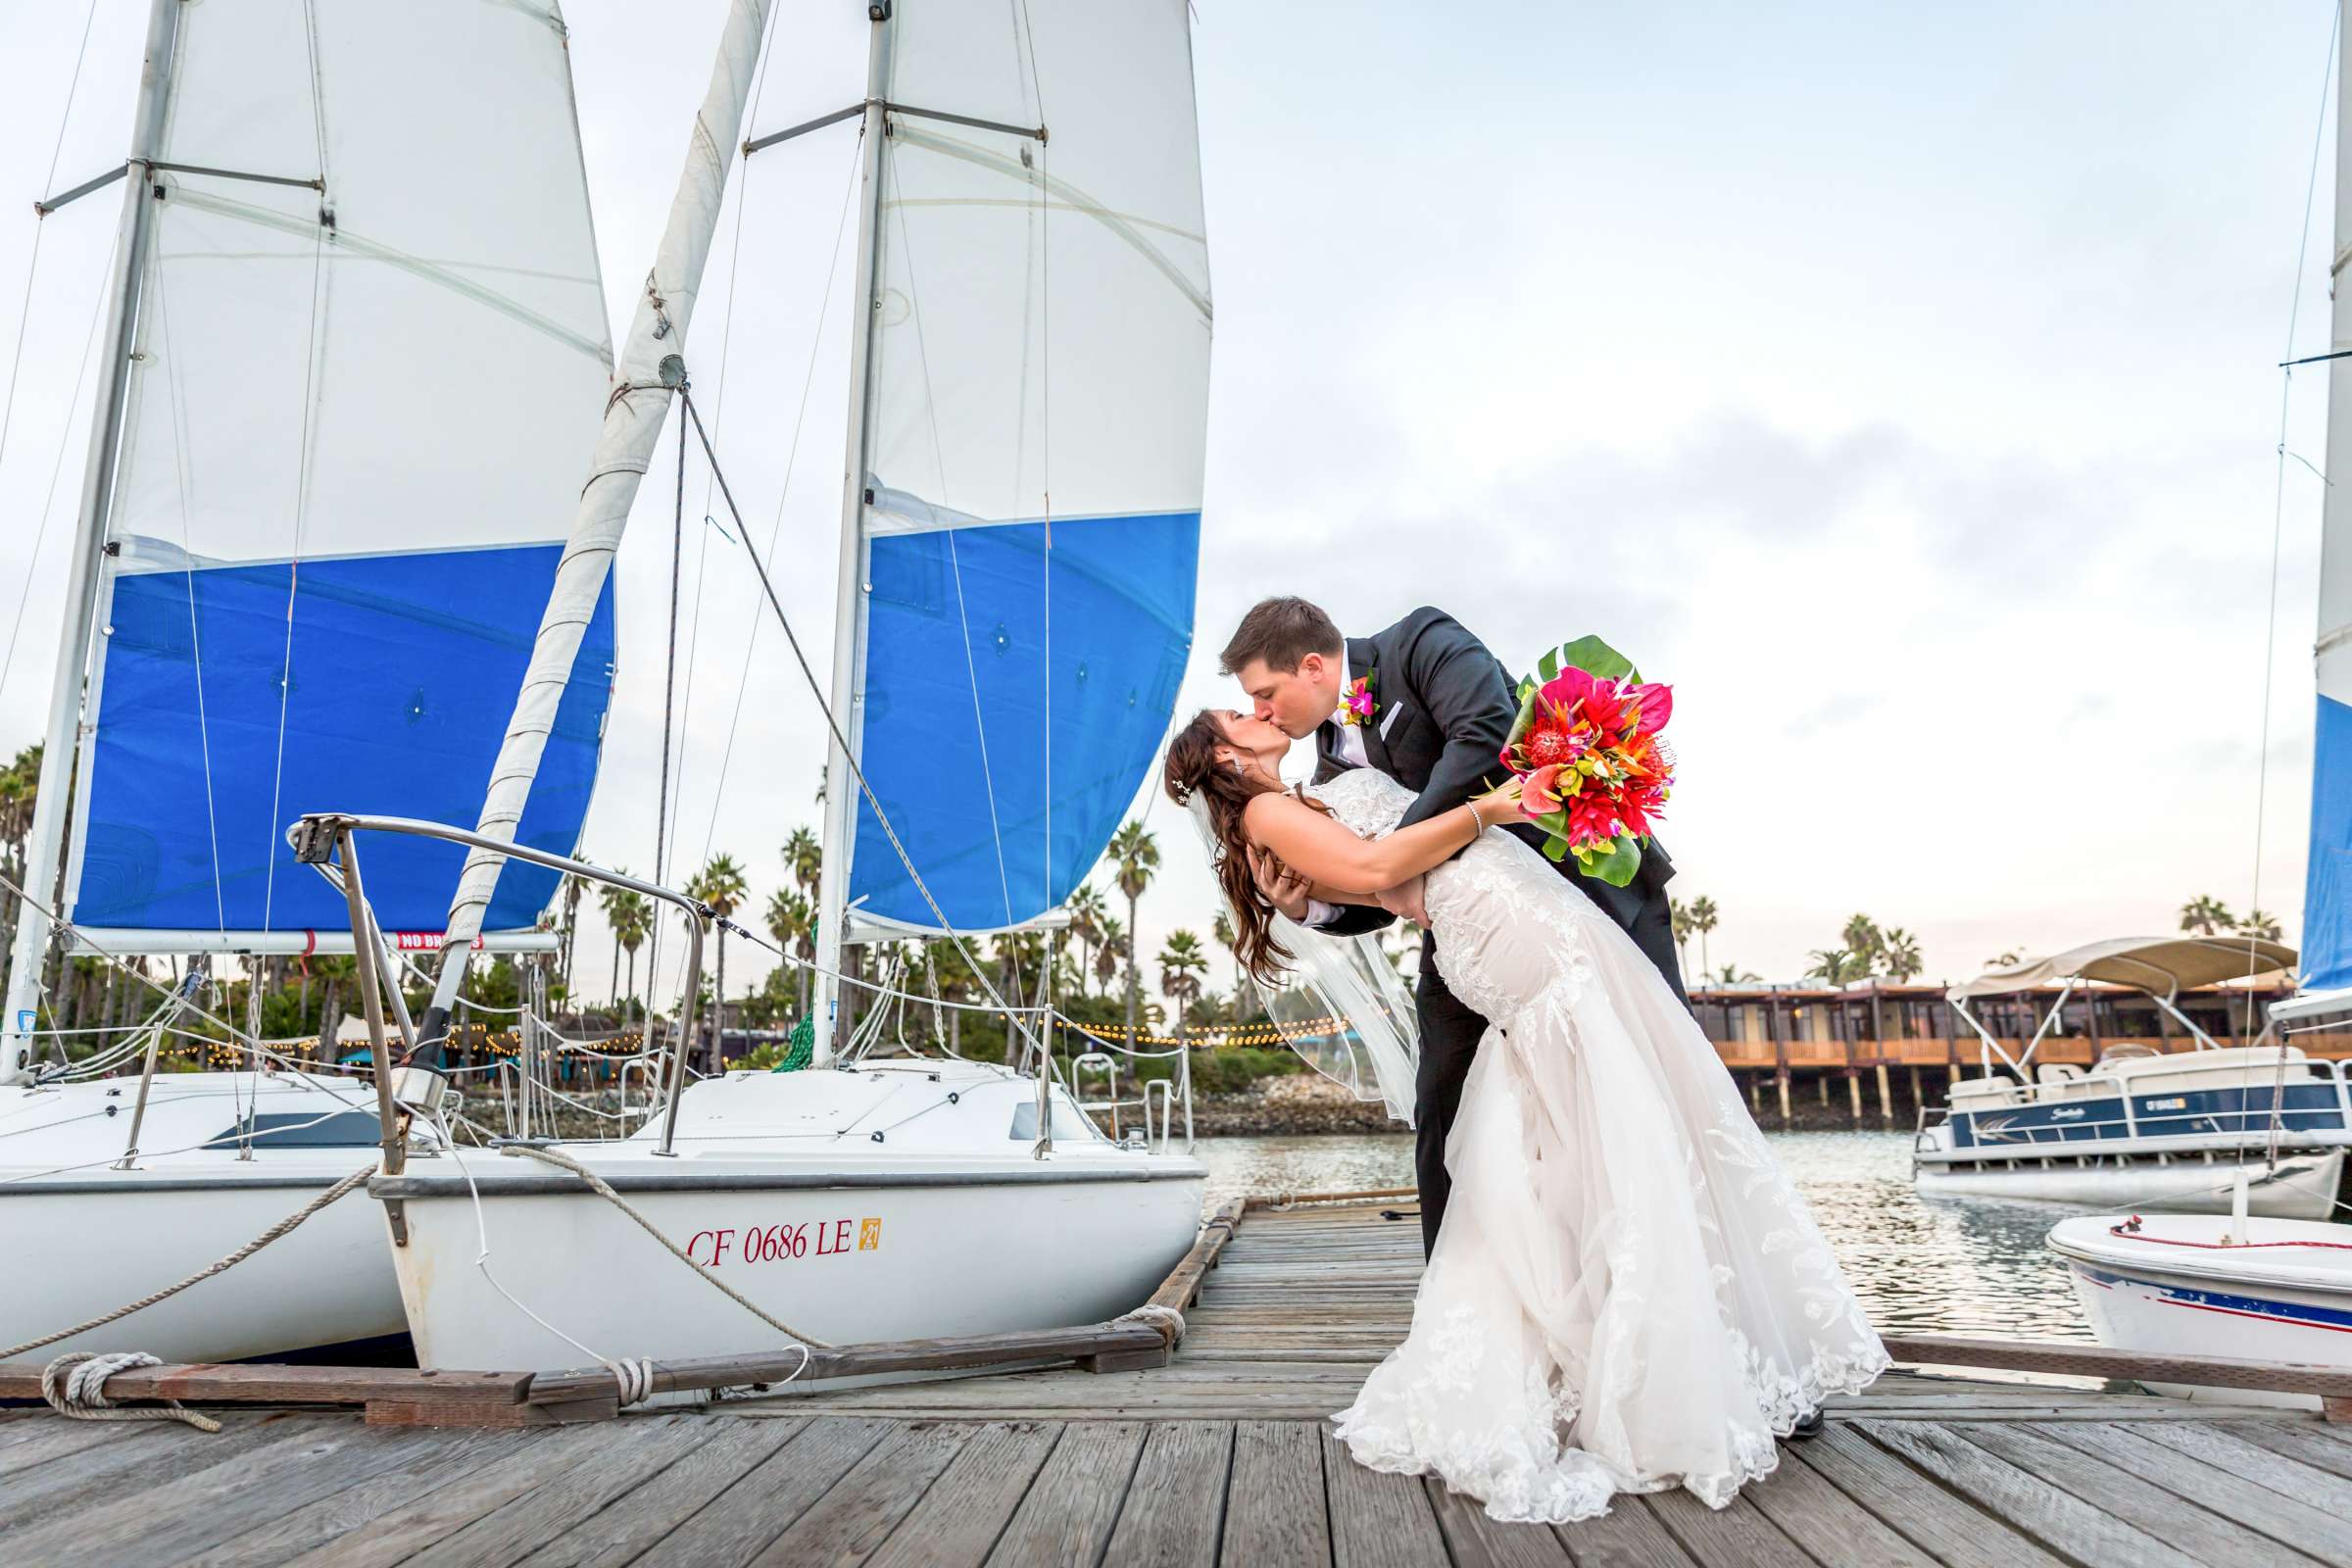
(1865, 951)
(2206, 915)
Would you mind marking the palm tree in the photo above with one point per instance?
(1137, 855)
(1087, 910)
(1898, 952)
(614, 899)
(1114, 943)
(1837, 966)
(1863, 941)
(633, 922)
(2206, 915)
(2006, 961)
(19, 783)
(573, 886)
(723, 886)
(1229, 938)
(792, 921)
(805, 859)
(1182, 964)
(1678, 917)
(2260, 924)
(1702, 920)
(1731, 974)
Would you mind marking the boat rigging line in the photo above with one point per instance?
(833, 723)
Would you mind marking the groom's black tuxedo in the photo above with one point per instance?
(1445, 708)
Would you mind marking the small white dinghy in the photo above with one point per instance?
(2214, 1285)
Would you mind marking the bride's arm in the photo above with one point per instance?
(1323, 851)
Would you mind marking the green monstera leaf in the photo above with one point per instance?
(1619, 866)
(1591, 654)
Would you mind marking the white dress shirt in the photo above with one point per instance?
(1350, 749)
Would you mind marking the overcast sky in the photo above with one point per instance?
(1898, 382)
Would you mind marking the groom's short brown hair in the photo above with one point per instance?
(1282, 632)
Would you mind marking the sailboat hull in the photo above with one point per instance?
(949, 1225)
(87, 1238)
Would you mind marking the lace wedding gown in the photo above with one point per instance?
(1627, 1295)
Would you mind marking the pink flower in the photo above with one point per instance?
(1656, 703)
(1539, 792)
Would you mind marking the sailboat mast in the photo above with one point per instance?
(848, 613)
(633, 422)
(45, 847)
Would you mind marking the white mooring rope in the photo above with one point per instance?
(84, 1397)
(635, 1373)
(1166, 1319)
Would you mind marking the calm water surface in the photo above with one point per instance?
(1953, 1265)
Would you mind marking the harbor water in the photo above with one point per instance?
(1947, 1265)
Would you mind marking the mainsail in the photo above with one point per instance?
(1021, 555)
(368, 358)
(2328, 881)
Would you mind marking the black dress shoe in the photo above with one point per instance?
(1807, 1429)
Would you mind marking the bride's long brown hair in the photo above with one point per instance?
(1193, 769)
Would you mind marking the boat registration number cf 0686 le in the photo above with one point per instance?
(785, 1242)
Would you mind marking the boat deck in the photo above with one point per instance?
(1219, 1457)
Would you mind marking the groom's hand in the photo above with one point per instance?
(1403, 901)
(1284, 888)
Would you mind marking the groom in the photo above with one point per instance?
(1440, 709)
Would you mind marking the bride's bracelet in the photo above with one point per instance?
(1477, 816)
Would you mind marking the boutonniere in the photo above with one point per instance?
(1358, 701)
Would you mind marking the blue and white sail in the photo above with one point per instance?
(1021, 540)
(2328, 882)
(366, 364)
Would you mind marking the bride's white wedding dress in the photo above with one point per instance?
(1627, 1295)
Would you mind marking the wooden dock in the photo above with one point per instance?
(1219, 1457)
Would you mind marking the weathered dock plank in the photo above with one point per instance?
(859, 1512)
(623, 1531)
(1066, 1519)
(1224, 1456)
(1274, 1509)
(1175, 1504)
(2303, 1508)
(1946, 1525)
(1378, 1520)
(2096, 1472)
(2076, 1529)
(287, 1536)
(957, 1520)
(733, 1527)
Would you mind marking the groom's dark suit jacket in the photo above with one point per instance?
(1445, 706)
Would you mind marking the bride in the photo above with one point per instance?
(1627, 1294)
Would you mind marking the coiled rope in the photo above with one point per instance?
(1166, 1319)
(84, 1397)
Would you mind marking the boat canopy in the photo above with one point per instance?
(2161, 966)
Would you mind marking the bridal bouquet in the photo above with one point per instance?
(1586, 742)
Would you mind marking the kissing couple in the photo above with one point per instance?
(1624, 1291)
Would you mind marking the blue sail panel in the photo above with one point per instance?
(2327, 883)
(1000, 808)
(390, 698)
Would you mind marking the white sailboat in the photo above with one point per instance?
(1020, 528)
(356, 350)
(2246, 1285)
